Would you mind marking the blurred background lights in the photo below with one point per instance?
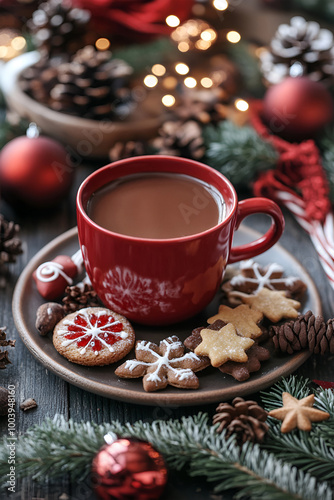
(220, 4)
(172, 21)
(150, 81)
(241, 105)
(168, 100)
(206, 82)
(102, 44)
(170, 82)
(183, 46)
(18, 43)
(208, 35)
(233, 36)
(190, 82)
(158, 70)
(181, 68)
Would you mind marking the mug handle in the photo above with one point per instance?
(253, 206)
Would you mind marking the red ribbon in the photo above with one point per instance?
(299, 171)
(324, 384)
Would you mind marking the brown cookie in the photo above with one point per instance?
(251, 278)
(94, 336)
(223, 345)
(242, 371)
(163, 364)
(195, 338)
(243, 318)
(272, 304)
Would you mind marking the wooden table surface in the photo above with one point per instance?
(54, 395)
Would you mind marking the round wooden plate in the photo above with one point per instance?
(214, 386)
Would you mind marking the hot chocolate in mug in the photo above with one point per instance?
(156, 235)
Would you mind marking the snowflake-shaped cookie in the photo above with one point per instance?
(251, 278)
(162, 365)
(93, 336)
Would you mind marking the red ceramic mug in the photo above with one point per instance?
(162, 281)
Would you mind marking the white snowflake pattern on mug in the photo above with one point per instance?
(123, 287)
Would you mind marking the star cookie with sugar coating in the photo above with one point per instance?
(274, 305)
(243, 318)
(223, 345)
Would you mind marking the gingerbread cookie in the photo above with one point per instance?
(251, 278)
(223, 345)
(93, 336)
(243, 318)
(163, 364)
(242, 371)
(273, 305)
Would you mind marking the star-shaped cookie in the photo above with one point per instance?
(243, 318)
(275, 305)
(223, 345)
(298, 413)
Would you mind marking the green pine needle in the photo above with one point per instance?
(286, 467)
(327, 146)
(237, 152)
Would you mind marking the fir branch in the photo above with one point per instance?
(327, 147)
(141, 57)
(243, 56)
(310, 451)
(57, 447)
(237, 152)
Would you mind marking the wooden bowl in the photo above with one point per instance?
(81, 136)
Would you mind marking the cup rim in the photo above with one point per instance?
(88, 179)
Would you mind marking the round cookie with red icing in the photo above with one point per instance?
(93, 336)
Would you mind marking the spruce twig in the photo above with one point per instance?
(57, 447)
(310, 451)
(237, 152)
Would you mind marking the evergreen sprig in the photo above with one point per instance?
(237, 152)
(327, 147)
(310, 451)
(285, 467)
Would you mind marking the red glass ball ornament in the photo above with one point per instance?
(34, 171)
(128, 468)
(297, 108)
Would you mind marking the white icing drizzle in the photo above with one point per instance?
(180, 373)
(260, 280)
(93, 331)
(50, 271)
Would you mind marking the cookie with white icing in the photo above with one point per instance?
(251, 278)
(94, 336)
(163, 364)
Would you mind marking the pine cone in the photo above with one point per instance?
(121, 150)
(39, 79)
(306, 332)
(92, 86)
(299, 48)
(79, 296)
(58, 28)
(10, 244)
(245, 419)
(177, 138)
(4, 360)
(3, 401)
(203, 107)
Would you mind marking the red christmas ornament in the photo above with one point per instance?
(34, 171)
(128, 468)
(297, 108)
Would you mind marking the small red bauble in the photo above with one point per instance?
(34, 171)
(128, 468)
(297, 108)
